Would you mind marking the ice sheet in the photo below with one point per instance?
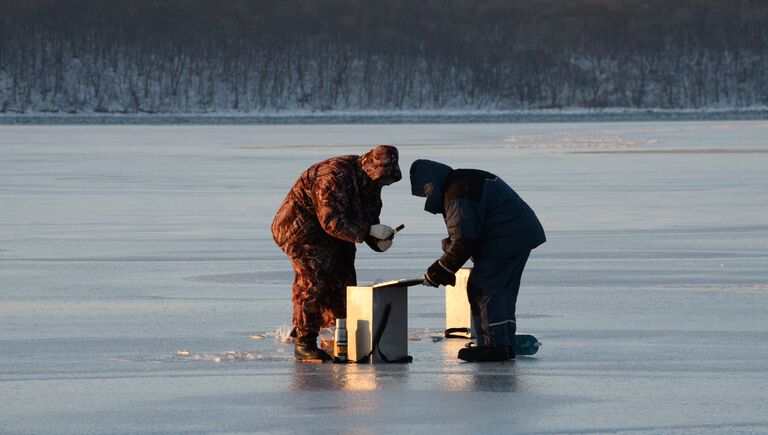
(121, 246)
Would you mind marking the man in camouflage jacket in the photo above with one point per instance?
(333, 205)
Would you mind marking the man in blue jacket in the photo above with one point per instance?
(489, 222)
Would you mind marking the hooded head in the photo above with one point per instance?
(427, 180)
(381, 165)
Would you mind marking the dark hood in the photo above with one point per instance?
(381, 164)
(427, 180)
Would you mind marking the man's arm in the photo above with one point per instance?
(332, 201)
(463, 223)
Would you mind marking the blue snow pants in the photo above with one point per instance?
(492, 291)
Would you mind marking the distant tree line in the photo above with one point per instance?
(264, 55)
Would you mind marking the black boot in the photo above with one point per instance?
(484, 353)
(511, 351)
(306, 349)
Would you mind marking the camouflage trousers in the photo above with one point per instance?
(323, 273)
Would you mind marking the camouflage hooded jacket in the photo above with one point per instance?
(336, 200)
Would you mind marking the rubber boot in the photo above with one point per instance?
(305, 348)
(484, 353)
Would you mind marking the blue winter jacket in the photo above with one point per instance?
(485, 218)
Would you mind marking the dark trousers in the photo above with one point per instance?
(492, 291)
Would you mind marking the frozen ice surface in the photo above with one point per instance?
(121, 246)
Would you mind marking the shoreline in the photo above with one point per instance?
(387, 117)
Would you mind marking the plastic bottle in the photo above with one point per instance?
(340, 340)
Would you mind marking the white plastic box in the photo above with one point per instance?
(366, 306)
(457, 312)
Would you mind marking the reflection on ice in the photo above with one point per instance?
(351, 377)
(500, 378)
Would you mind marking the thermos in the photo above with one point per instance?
(340, 340)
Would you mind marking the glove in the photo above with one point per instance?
(381, 232)
(437, 274)
(383, 245)
(377, 244)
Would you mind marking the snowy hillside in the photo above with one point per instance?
(240, 56)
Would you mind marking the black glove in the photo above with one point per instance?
(437, 274)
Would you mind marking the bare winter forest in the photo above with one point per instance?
(197, 56)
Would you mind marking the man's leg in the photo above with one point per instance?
(515, 267)
(488, 301)
(307, 314)
(492, 291)
(488, 304)
(308, 296)
(340, 274)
